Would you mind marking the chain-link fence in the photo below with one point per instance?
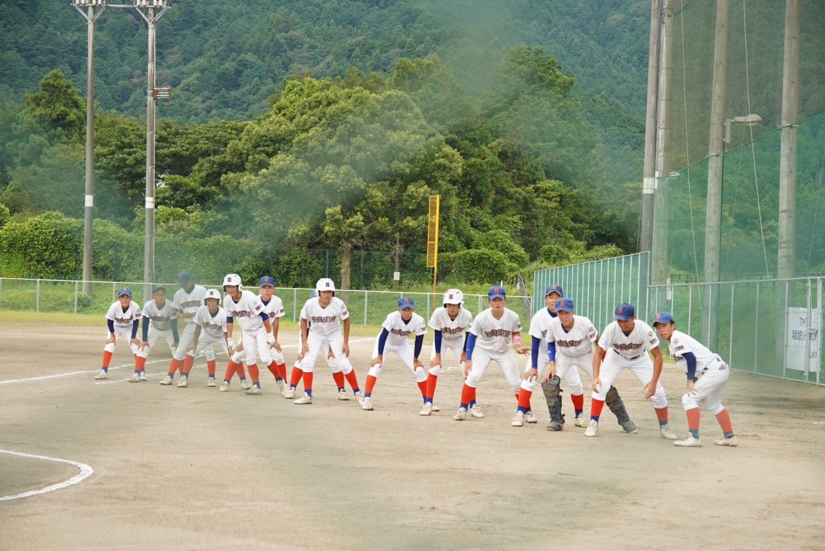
(367, 308)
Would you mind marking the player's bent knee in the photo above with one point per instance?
(472, 381)
(716, 409)
(375, 370)
(689, 402)
(435, 371)
(420, 375)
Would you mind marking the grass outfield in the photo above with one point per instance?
(89, 320)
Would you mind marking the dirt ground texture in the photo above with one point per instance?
(196, 468)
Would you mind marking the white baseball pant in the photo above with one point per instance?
(564, 371)
(186, 336)
(121, 332)
(710, 387)
(642, 368)
(457, 348)
(333, 365)
(403, 351)
(506, 360)
(254, 342)
(316, 342)
(154, 336)
(208, 342)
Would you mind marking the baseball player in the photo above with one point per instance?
(538, 361)
(707, 376)
(187, 301)
(393, 338)
(337, 374)
(493, 335)
(570, 340)
(159, 322)
(122, 319)
(625, 344)
(210, 329)
(274, 308)
(256, 330)
(321, 321)
(449, 323)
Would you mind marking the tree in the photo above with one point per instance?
(57, 108)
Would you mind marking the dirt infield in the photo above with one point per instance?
(198, 469)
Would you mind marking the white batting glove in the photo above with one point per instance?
(231, 346)
(270, 340)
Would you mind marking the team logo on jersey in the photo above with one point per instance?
(650, 333)
(679, 348)
(323, 319)
(497, 333)
(452, 331)
(400, 332)
(569, 344)
(629, 346)
(190, 304)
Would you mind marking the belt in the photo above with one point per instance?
(633, 358)
(718, 359)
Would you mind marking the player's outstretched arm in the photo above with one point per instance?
(597, 367)
(658, 362)
(276, 324)
(345, 348)
(194, 344)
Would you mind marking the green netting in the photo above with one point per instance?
(750, 209)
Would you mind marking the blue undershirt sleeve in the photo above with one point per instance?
(135, 325)
(111, 325)
(419, 342)
(691, 363)
(382, 340)
(264, 317)
(551, 350)
(174, 323)
(228, 320)
(471, 343)
(146, 322)
(534, 353)
(466, 338)
(438, 342)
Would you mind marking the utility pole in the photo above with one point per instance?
(713, 223)
(89, 195)
(397, 275)
(649, 177)
(786, 266)
(659, 253)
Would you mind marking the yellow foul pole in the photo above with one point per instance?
(432, 238)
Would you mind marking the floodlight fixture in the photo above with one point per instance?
(749, 120)
(90, 3)
(162, 4)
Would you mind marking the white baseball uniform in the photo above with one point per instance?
(333, 365)
(452, 334)
(397, 341)
(246, 312)
(713, 373)
(188, 303)
(213, 328)
(494, 342)
(574, 348)
(539, 328)
(160, 326)
(325, 327)
(274, 309)
(123, 322)
(629, 352)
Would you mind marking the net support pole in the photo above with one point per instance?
(713, 223)
(649, 177)
(659, 252)
(149, 241)
(786, 266)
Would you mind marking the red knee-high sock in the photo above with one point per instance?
(468, 394)
(578, 401)
(724, 421)
(297, 373)
(352, 380)
(693, 417)
(107, 358)
(282, 370)
(174, 366)
(432, 381)
(273, 368)
(308, 378)
(240, 371)
(596, 408)
(370, 384)
(211, 365)
(661, 413)
(254, 373)
(524, 400)
(422, 386)
(339, 380)
(140, 361)
(188, 362)
(230, 370)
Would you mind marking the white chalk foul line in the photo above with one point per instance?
(85, 472)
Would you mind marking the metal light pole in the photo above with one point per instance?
(89, 201)
(786, 265)
(151, 16)
(649, 180)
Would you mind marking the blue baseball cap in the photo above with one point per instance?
(565, 305)
(267, 280)
(406, 302)
(496, 291)
(554, 289)
(663, 317)
(124, 291)
(184, 277)
(624, 312)
(156, 288)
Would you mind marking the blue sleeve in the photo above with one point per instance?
(146, 322)
(228, 320)
(111, 325)
(264, 317)
(551, 350)
(382, 340)
(691, 363)
(534, 353)
(466, 338)
(419, 342)
(471, 343)
(438, 342)
(174, 323)
(135, 325)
